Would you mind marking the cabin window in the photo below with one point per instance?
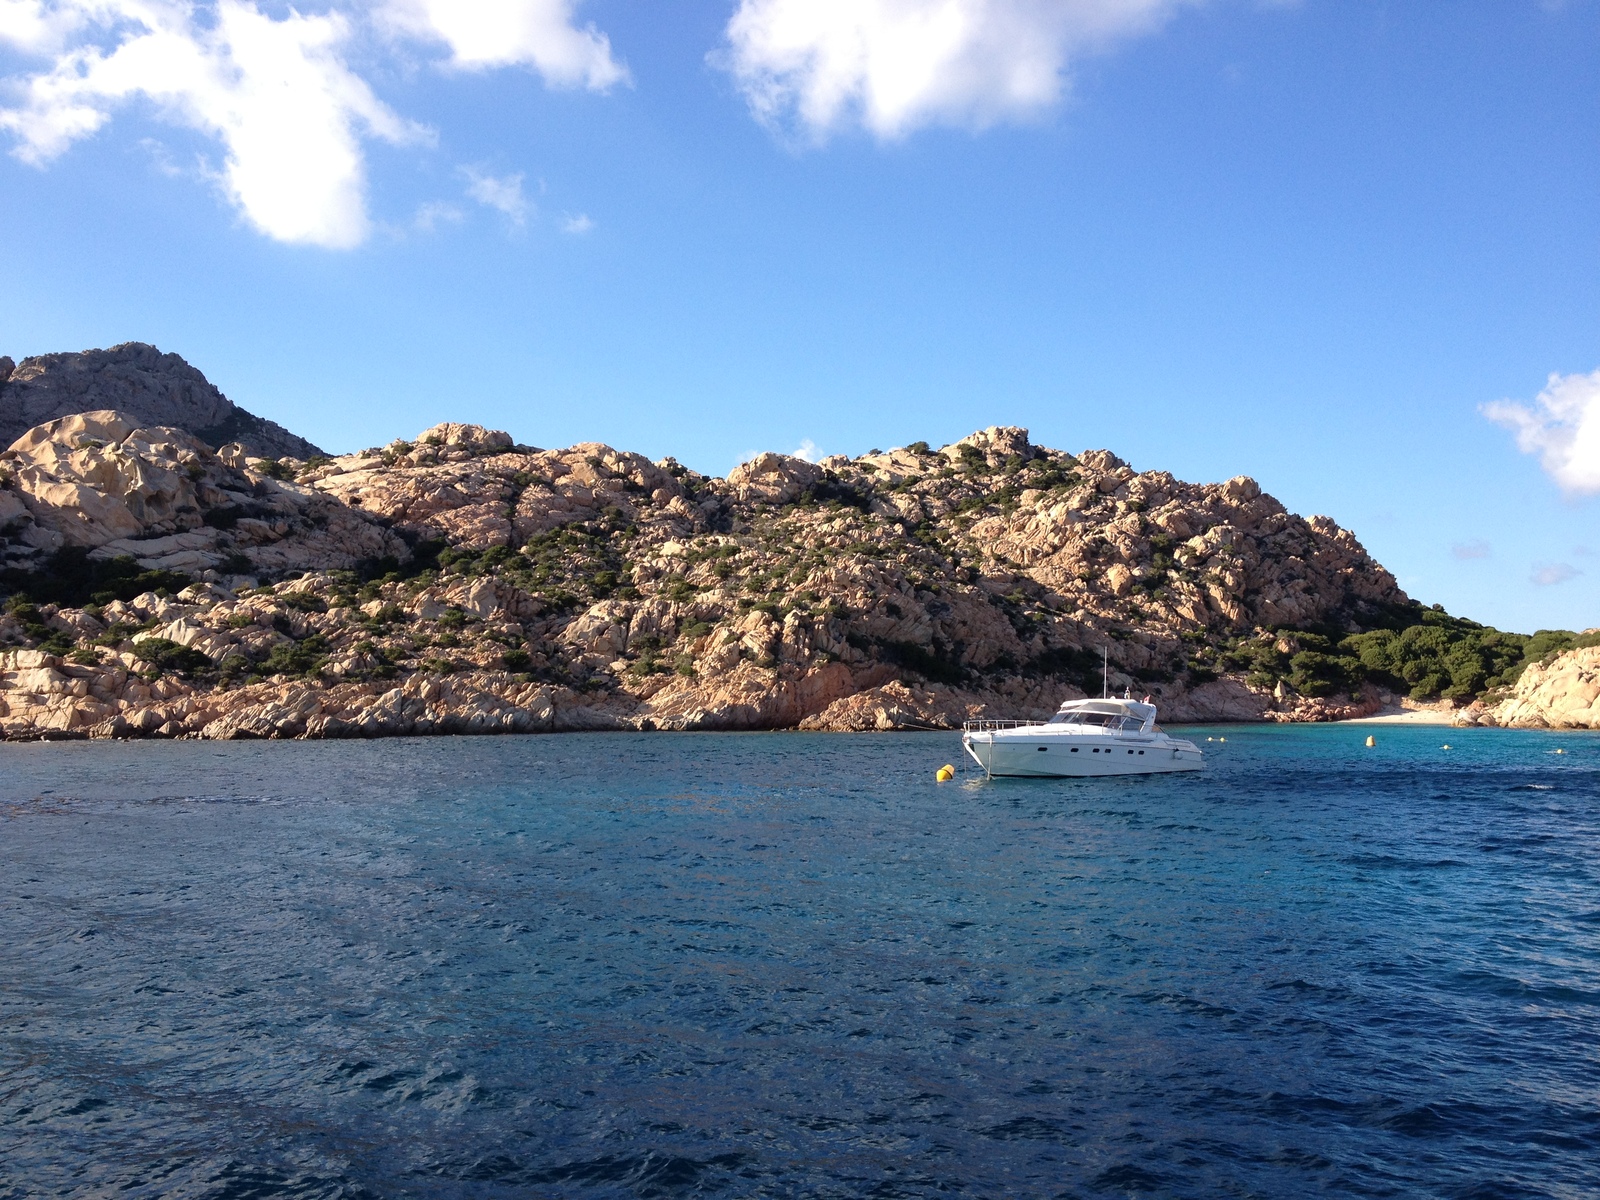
(1111, 722)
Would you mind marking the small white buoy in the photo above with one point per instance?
(1371, 741)
(1446, 746)
(1222, 739)
(1560, 751)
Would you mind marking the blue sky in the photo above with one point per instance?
(1311, 242)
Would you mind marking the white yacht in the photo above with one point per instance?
(1086, 737)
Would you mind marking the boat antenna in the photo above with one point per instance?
(1105, 673)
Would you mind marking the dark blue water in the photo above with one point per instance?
(788, 965)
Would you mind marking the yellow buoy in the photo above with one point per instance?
(1222, 739)
(1371, 741)
(1560, 751)
(1446, 746)
(945, 773)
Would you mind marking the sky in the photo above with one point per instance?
(1348, 247)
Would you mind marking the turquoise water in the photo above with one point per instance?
(794, 966)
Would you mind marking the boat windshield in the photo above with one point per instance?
(1108, 721)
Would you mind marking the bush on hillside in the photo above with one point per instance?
(70, 577)
(167, 655)
(1422, 652)
(1441, 656)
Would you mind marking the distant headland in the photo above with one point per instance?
(176, 566)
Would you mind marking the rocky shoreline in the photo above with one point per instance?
(160, 586)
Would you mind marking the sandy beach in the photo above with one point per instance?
(1409, 716)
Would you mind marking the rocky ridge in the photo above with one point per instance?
(463, 583)
(147, 387)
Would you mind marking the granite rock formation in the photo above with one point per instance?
(147, 387)
(463, 583)
(1563, 693)
(164, 498)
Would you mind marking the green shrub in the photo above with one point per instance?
(58, 641)
(1443, 656)
(233, 667)
(1314, 674)
(70, 577)
(273, 469)
(291, 658)
(932, 664)
(168, 655)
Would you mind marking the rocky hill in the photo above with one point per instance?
(148, 387)
(462, 583)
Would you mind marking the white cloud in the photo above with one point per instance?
(1470, 550)
(1562, 428)
(434, 214)
(1550, 574)
(895, 65)
(808, 451)
(505, 33)
(34, 26)
(161, 158)
(277, 93)
(503, 193)
(577, 224)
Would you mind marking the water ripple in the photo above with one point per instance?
(793, 966)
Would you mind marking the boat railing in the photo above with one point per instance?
(985, 724)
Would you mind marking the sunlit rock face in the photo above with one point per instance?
(99, 482)
(1563, 693)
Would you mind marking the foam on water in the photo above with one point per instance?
(791, 965)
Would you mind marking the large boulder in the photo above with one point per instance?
(998, 444)
(774, 478)
(95, 477)
(454, 435)
(1563, 693)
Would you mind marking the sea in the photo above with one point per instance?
(795, 965)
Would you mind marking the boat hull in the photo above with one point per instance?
(1075, 758)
